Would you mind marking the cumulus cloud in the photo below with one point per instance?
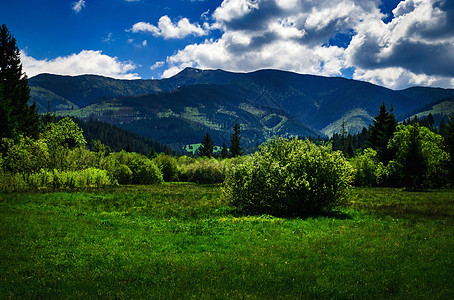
(399, 78)
(415, 42)
(325, 37)
(85, 62)
(169, 30)
(78, 6)
(284, 34)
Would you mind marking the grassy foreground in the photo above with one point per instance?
(181, 241)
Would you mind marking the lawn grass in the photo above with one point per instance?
(182, 241)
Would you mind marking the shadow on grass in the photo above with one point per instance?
(334, 214)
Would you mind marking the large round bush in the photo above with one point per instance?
(288, 178)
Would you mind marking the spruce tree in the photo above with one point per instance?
(224, 151)
(17, 117)
(235, 148)
(207, 147)
(383, 128)
(447, 131)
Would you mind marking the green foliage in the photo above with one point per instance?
(421, 158)
(168, 166)
(202, 170)
(448, 134)
(144, 171)
(224, 151)
(43, 179)
(235, 147)
(120, 172)
(65, 133)
(60, 137)
(100, 149)
(16, 116)
(384, 125)
(25, 156)
(207, 146)
(366, 168)
(80, 158)
(288, 177)
(117, 138)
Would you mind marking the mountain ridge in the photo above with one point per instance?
(265, 102)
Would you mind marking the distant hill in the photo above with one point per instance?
(181, 109)
(117, 138)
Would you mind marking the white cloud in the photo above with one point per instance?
(108, 39)
(168, 30)
(144, 43)
(157, 65)
(234, 9)
(77, 6)
(284, 54)
(289, 35)
(327, 36)
(399, 78)
(85, 62)
(415, 48)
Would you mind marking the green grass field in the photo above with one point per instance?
(180, 241)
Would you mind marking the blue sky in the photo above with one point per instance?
(391, 43)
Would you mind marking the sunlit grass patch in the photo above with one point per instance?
(182, 241)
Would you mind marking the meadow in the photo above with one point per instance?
(182, 241)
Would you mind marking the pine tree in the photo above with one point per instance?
(343, 137)
(383, 128)
(448, 134)
(207, 147)
(17, 117)
(224, 151)
(235, 148)
(152, 154)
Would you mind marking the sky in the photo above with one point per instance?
(392, 43)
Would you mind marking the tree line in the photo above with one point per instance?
(207, 146)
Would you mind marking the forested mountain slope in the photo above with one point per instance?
(181, 109)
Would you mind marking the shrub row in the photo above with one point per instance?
(90, 177)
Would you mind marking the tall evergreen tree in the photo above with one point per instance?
(384, 125)
(235, 147)
(224, 151)
(448, 134)
(207, 147)
(17, 117)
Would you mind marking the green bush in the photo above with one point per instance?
(288, 177)
(168, 166)
(366, 168)
(121, 173)
(10, 182)
(26, 155)
(80, 158)
(203, 170)
(144, 171)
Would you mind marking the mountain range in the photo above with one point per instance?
(178, 111)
